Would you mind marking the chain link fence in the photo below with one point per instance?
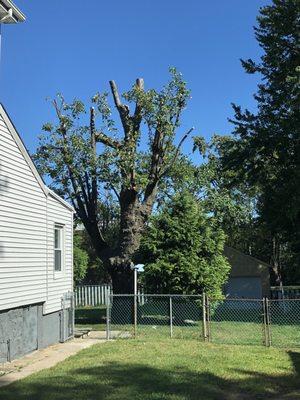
(229, 321)
(284, 322)
(154, 316)
(237, 321)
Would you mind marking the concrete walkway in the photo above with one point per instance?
(46, 358)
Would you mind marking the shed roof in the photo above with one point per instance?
(228, 250)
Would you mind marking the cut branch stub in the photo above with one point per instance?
(115, 93)
(106, 140)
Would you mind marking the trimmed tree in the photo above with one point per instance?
(87, 163)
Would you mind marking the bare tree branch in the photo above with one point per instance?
(115, 94)
(94, 191)
(167, 169)
(138, 108)
(122, 108)
(115, 191)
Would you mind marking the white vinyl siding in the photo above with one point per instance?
(59, 282)
(28, 214)
(22, 228)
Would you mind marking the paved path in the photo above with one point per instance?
(46, 358)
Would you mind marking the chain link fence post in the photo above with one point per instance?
(208, 319)
(135, 315)
(204, 325)
(171, 317)
(268, 321)
(108, 300)
(264, 321)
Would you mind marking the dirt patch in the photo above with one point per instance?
(45, 358)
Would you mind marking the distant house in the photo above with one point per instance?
(249, 277)
(36, 231)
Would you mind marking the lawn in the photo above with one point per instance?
(222, 331)
(91, 317)
(166, 369)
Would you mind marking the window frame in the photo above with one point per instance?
(61, 229)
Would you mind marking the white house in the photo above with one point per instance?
(36, 231)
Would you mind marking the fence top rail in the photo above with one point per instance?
(100, 285)
(185, 296)
(285, 288)
(156, 295)
(233, 299)
(282, 300)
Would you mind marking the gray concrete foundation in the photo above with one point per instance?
(25, 329)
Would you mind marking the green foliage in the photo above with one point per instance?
(68, 143)
(263, 153)
(182, 250)
(98, 164)
(93, 271)
(231, 206)
(80, 260)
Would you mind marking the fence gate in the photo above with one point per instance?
(236, 321)
(284, 322)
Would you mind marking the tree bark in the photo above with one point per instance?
(134, 216)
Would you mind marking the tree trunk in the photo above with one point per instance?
(121, 275)
(134, 215)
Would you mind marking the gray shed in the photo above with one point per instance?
(249, 277)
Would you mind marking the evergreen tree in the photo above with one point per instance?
(265, 150)
(183, 250)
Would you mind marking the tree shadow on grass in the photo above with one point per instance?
(90, 315)
(140, 382)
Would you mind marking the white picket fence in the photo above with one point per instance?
(92, 295)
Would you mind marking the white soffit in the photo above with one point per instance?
(10, 13)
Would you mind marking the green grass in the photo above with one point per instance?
(226, 332)
(91, 317)
(166, 370)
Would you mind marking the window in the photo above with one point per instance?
(58, 248)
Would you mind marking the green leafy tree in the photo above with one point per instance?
(95, 271)
(183, 250)
(232, 206)
(87, 162)
(264, 152)
(80, 260)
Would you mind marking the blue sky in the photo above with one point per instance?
(76, 47)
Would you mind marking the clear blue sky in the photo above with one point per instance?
(75, 47)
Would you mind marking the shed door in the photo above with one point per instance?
(244, 287)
